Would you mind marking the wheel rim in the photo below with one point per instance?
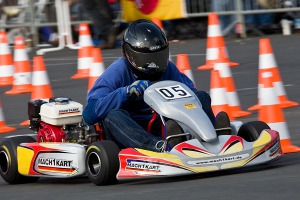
(4, 162)
(94, 164)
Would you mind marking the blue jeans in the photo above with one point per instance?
(125, 132)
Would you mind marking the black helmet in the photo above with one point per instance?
(146, 47)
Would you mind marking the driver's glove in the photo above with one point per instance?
(138, 87)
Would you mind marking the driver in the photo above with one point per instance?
(145, 59)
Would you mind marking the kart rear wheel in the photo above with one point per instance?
(250, 131)
(102, 162)
(8, 160)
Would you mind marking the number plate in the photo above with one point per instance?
(173, 92)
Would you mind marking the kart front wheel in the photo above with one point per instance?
(102, 162)
(8, 160)
(250, 131)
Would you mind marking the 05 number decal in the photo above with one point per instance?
(173, 92)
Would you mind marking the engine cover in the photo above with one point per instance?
(61, 111)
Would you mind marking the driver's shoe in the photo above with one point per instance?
(222, 124)
(172, 129)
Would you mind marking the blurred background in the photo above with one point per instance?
(38, 21)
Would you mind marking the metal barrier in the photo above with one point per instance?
(33, 14)
(240, 8)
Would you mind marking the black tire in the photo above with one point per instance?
(8, 160)
(102, 162)
(250, 131)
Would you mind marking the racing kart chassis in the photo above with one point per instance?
(64, 147)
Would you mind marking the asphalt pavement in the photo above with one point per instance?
(278, 180)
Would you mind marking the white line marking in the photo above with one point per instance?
(20, 135)
(288, 85)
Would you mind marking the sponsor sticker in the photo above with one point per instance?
(154, 48)
(52, 162)
(68, 111)
(189, 106)
(219, 160)
(274, 149)
(140, 165)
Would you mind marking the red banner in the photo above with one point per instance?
(148, 9)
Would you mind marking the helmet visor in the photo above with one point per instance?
(150, 63)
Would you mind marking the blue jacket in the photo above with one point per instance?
(109, 91)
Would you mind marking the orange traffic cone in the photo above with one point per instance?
(218, 95)
(183, 65)
(271, 113)
(22, 75)
(267, 63)
(6, 61)
(3, 127)
(41, 88)
(85, 57)
(158, 22)
(97, 67)
(215, 41)
(232, 96)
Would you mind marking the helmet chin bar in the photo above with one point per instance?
(144, 75)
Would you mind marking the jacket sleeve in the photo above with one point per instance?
(97, 109)
(108, 93)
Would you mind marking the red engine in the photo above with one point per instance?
(50, 133)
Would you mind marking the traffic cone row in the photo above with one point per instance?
(271, 98)
(271, 112)
(6, 61)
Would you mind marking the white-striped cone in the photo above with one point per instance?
(184, 66)
(22, 74)
(85, 57)
(97, 67)
(41, 88)
(215, 41)
(271, 113)
(218, 95)
(267, 63)
(232, 96)
(6, 61)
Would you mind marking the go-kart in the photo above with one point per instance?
(65, 147)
